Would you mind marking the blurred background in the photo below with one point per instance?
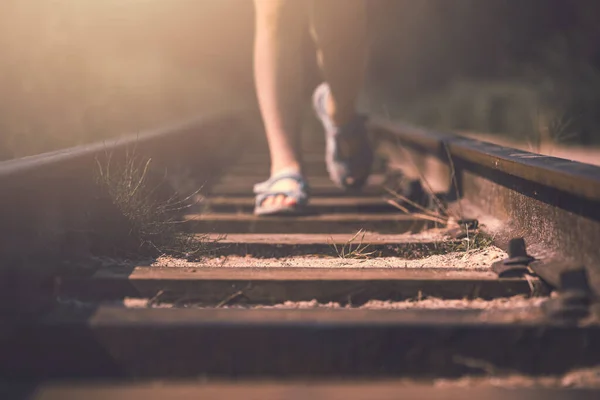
(74, 71)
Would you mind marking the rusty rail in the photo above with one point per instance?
(553, 203)
(49, 200)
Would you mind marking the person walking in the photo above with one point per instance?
(338, 28)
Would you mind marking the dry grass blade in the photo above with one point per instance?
(483, 365)
(427, 186)
(347, 251)
(229, 299)
(430, 218)
(417, 215)
(155, 299)
(414, 204)
(398, 206)
(453, 178)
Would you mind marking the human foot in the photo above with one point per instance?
(285, 192)
(348, 155)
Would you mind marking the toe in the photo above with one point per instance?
(279, 200)
(268, 202)
(290, 201)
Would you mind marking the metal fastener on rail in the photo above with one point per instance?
(574, 298)
(517, 263)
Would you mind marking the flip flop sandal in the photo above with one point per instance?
(263, 191)
(358, 166)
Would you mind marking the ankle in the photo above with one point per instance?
(285, 168)
(340, 116)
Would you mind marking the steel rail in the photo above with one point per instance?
(154, 142)
(553, 203)
(570, 176)
(52, 207)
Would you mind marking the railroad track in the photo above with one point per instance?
(356, 289)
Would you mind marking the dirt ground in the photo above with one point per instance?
(472, 259)
(516, 303)
(579, 378)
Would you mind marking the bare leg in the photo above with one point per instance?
(339, 29)
(278, 76)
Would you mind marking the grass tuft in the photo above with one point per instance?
(352, 250)
(156, 225)
(477, 241)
